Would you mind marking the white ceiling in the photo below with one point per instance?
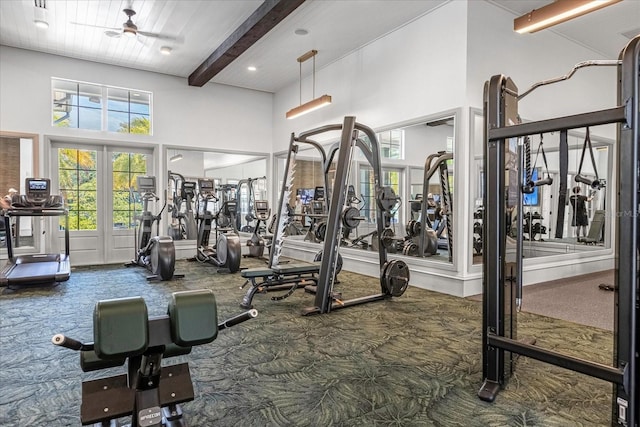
(194, 29)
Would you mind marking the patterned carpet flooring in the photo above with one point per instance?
(409, 361)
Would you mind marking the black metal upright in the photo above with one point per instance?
(499, 318)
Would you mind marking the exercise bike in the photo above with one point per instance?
(157, 254)
(122, 332)
(227, 251)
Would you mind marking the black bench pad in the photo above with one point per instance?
(298, 268)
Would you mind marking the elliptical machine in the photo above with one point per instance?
(227, 251)
(257, 242)
(157, 254)
(183, 223)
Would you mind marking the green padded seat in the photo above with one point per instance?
(193, 317)
(120, 328)
(89, 361)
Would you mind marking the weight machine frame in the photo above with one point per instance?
(499, 340)
(392, 280)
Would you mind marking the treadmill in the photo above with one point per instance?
(36, 269)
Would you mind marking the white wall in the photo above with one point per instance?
(494, 48)
(415, 71)
(254, 169)
(210, 116)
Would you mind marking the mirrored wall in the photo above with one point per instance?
(571, 212)
(239, 177)
(19, 154)
(405, 151)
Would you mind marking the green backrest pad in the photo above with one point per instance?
(194, 318)
(120, 328)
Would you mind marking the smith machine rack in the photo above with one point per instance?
(394, 274)
(502, 288)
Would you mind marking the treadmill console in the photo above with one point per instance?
(38, 190)
(146, 184)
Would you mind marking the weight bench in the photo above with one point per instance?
(123, 332)
(282, 277)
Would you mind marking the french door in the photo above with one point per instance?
(98, 184)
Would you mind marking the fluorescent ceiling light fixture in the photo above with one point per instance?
(555, 13)
(309, 107)
(165, 50)
(315, 103)
(175, 158)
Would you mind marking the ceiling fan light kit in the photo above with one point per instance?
(556, 13)
(40, 14)
(315, 103)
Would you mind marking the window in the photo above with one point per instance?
(77, 105)
(390, 178)
(126, 201)
(391, 144)
(96, 107)
(128, 111)
(78, 186)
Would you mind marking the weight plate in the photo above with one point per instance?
(350, 215)
(321, 230)
(386, 199)
(318, 257)
(388, 238)
(395, 277)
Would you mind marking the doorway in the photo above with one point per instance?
(98, 184)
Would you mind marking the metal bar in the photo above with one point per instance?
(592, 369)
(520, 236)
(595, 62)
(493, 236)
(302, 137)
(429, 169)
(593, 118)
(332, 238)
(627, 235)
(283, 191)
(563, 152)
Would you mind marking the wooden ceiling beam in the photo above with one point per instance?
(263, 20)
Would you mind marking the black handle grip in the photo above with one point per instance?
(546, 181)
(243, 317)
(582, 179)
(70, 343)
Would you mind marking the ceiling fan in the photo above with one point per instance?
(129, 29)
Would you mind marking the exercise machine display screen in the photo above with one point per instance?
(188, 189)
(205, 185)
(146, 184)
(262, 205)
(37, 189)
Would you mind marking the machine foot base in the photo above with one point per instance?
(489, 391)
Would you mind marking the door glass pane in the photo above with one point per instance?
(126, 206)
(77, 181)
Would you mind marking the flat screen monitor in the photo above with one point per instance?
(318, 193)
(306, 195)
(532, 199)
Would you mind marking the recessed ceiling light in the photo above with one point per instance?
(165, 50)
(41, 24)
(301, 32)
(251, 68)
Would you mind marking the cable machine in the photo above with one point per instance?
(502, 280)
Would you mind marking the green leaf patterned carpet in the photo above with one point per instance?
(409, 361)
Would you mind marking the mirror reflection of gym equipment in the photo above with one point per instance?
(227, 252)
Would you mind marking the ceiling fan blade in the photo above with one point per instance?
(113, 34)
(96, 26)
(160, 36)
